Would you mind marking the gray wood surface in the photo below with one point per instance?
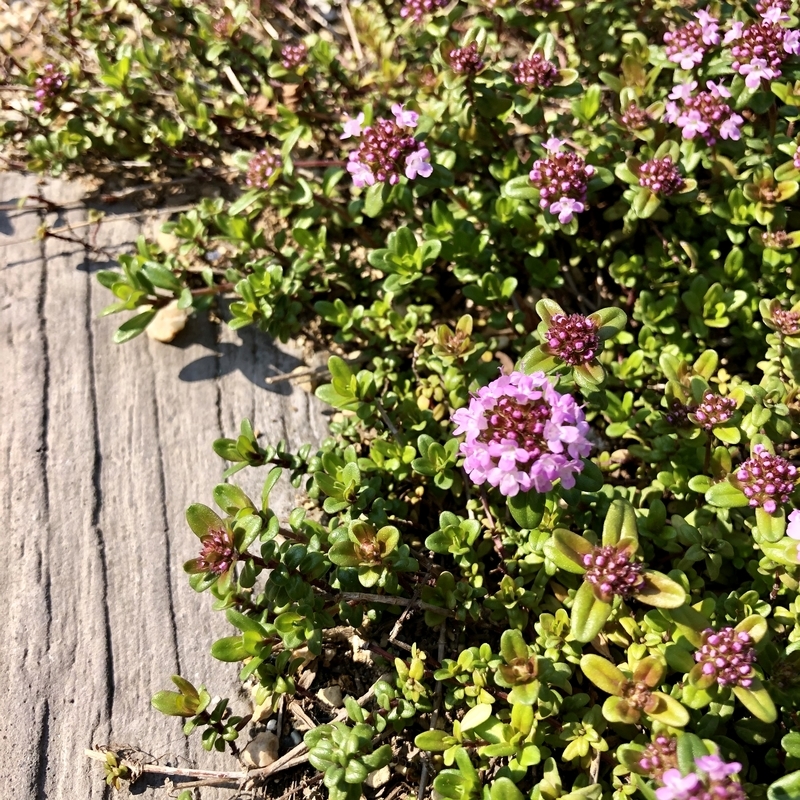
(103, 446)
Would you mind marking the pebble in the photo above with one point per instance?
(168, 322)
(378, 778)
(332, 695)
(296, 737)
(261, 751)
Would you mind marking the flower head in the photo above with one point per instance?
(261, 168)
(661, 176)
(712, 410)
(786, 322)
(217, 554)
(766, 479)
(562, 179)
(612, 573)
(293, 55)
(635, 118)
(47, 87)
(727, 655)
(535, 72)
(704, 114)
(660, 755)
(758, 50)
(688, 45)
(387, 151)
(714, 784)
(522, 435)
(573, 338)
(465, 60)
(417, 10)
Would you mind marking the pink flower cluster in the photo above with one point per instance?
(760, 48)
(714, 782)
(562, 178)
(766, 479)
(688, 45)
(47, 87)
(293, 55)
(217, 554)
(573, 338)
(635, 118)
(661, 176)
(728, 656)
(786, 322)
(612, 573)
(705, 114)
(465, 60)
(418, 9)
(261, 168)
(660, 755)
(522, 435)
(387, 149)
(535, 72)
(713, 410)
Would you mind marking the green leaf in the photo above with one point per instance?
(476, 716)
(133, 327)
(537, 360)
(527, 508)
(434, 741)
(589, 614)
(504, 789)
(603, 674)
(230, 648)
(567, 549)
(173, 704)
(670, 711)
(785, 788)
(520, 188)
(757, 701)
(620, 523)
(512, 646)
(690, 748)
(375, 199)
(771, 526)
(726, 495)
(202, 520)
(645, 203)
(660, 591)
(729, 434)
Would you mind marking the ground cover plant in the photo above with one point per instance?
(552, 246)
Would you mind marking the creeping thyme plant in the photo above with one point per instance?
(551, 247)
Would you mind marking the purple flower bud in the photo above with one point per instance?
(465, 60)
(612, 573)
(766, 479)
(418, 9)
(261, 167)
(293, 55)
(729, 667)
(573, 338)
(712, 410)
(47, 87)
(661, 176)
(536, 72)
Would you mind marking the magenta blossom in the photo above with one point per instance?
(676, 786)
(716, 768)
(562, 179)
(522, 435)
(705, 114)
(352, 126)
(405, 119)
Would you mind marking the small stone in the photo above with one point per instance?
(168, 322)
(261, 751)
(380, 777)
(332, 695)
(296, 737)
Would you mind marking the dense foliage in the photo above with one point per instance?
(554, 248)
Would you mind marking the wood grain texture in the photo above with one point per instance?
(103, 446)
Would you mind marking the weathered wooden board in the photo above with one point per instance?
(103, 446)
